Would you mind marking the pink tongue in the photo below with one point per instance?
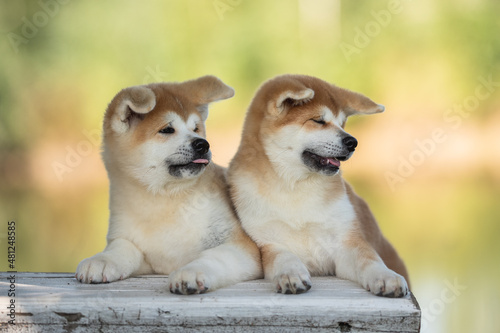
(333, 161)
(201, 161)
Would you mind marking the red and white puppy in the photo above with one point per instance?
(170, 210)
(288, 191)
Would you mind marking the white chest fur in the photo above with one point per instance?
(170, 231)
(305, 220)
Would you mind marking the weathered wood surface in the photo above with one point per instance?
(56, 302)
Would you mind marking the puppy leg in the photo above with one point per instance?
(217, 267)
(360, 262)
(118, 261)
(392, 259)
(288, 273)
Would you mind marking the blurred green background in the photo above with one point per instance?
(429, 166)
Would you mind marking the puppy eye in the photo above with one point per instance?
(196, 129)
(319, 121)
(167, 130)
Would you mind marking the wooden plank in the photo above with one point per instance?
(56, 302)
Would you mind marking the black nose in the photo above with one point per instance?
(350, 142)
(201, 146)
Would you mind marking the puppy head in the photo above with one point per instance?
(302, 124)
(155, 133)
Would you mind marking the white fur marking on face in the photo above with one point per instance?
(342, 118)
(193, 121)
(328, 116)
(284, 149)
(149, 164)
(182, 127)
(285, 146)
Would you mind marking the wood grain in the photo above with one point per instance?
(56, 302)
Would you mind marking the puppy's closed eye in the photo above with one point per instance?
(319, 121)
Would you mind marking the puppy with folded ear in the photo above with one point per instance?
(170, 211)
(289, 193)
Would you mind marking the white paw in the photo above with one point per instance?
(293, 280)
(188, 281)
(382, 281)
(100, 269)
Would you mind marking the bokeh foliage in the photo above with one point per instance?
(421, 62)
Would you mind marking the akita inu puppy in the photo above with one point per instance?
(170, 211)
(290, 196)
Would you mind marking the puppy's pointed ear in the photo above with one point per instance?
(128, 106)
(207, 89)
(293, 98)
(353, 103)
(292, 93)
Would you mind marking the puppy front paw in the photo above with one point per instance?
(385, 282)
(293, 281)
(99, 269)
(188, 281)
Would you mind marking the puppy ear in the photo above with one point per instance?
(291, 92)
(207, 89)
(293, 98)
(129, 105)
(353, 103)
